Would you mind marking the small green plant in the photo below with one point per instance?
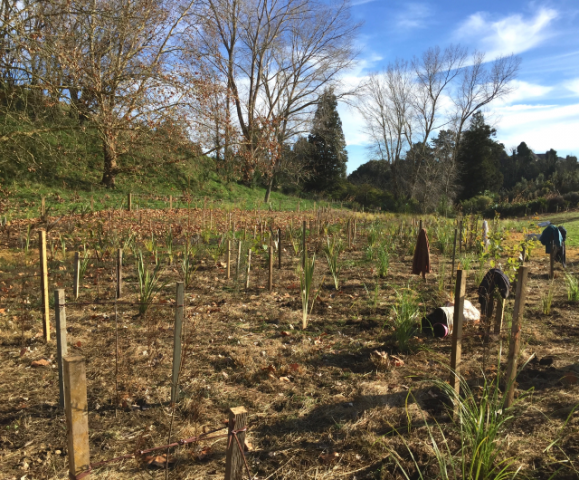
(307, 283)
(369, 253)
(466, 262)
(169, 242)
(480, 422)
(372, 237)
(148, 283)
(547, 300)
(332, 250)
(406, 313)
(187, 268)
(572, 287)
(383, 261)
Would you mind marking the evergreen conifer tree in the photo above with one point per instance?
(480, 159)
(328, 153)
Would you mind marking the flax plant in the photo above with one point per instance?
(307, 283)
(148, 283)
(572, 287)
(332, 250)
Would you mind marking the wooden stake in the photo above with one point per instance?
(304, 245)
(76, 279)
(279, 247)
(179, 310)
(349, 234)
(248, 269)
(457, 321)
(270, 279)
(61, 345)
(44, 285)
(454, 252)
(238, 260)
(234, 460)
(228, 259)
(130, 202)
(119, 273)
(170, 202)
(76, 406)
(515, 343)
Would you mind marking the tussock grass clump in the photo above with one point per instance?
(406, 312)
(572, 287)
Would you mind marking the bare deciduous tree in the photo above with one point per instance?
(275, 58)
(407, 103)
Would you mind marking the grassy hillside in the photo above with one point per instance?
(68, 193)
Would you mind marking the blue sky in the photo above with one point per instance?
(542, 110)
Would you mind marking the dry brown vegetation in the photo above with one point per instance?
(337, 400)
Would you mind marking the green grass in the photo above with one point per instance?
(149, 191)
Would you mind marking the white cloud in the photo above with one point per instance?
(414, 15)
(508, 35)
(522, 90)
(573, 86)
(541, 126)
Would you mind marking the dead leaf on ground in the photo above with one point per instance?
(158, 461)
(40, 363)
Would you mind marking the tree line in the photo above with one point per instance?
(157, 81)
(124, 86)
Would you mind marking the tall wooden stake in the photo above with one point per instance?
(238, 260)
(279, 247)
(234, 460)
(248, 269)
(228, 259)
(304, 245)
(456, 353)
(76, 406)
(514, 346)
(119, 273)
(76, 279)
(454, 252)
(270, 278)
(130, 202)
(179, 310)
(61, 345)
(44, 285)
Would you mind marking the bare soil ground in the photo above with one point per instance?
(320, 403)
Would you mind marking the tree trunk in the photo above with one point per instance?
(268, 190)
(110, 169)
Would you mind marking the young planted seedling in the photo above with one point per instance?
(307, 283)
